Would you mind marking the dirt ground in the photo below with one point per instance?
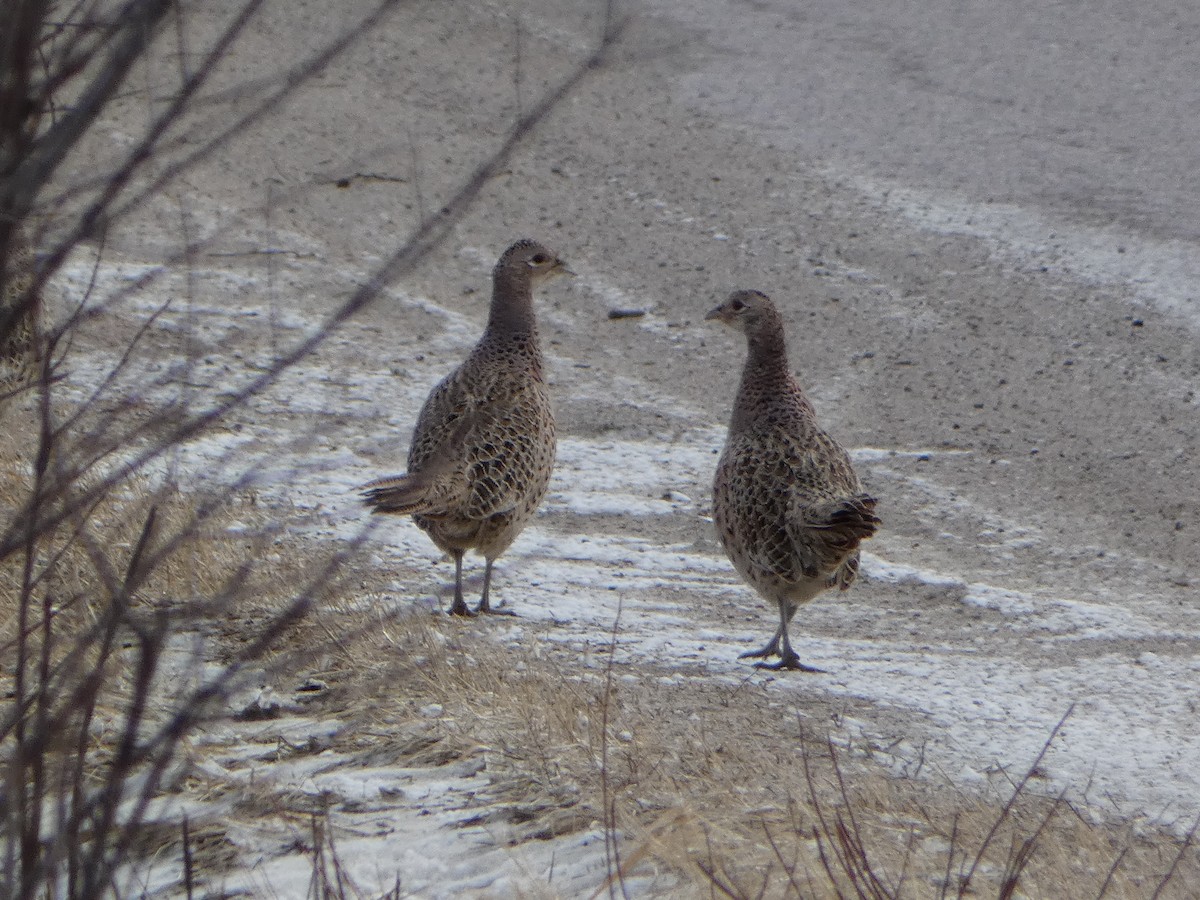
(982, 230)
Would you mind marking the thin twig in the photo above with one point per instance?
(612, 855)
(1183, 849)
(188, 876)
(789, 870)
(402, 262)
(1112, 871)
(953, 845)
(1006, 811)
(856, 849)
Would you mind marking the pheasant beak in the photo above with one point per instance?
(560, 268)
(720, 313)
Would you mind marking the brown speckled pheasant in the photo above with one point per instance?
(787, 504)
(483, 448)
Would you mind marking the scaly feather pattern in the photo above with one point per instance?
(482, 451)
(788, 505)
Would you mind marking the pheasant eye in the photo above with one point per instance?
(538, 259)
(738, 305)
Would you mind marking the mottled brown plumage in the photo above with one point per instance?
(483, 447)
(787, 503)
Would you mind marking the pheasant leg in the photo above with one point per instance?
(782, 646)
(459, 606)
(485, 607)
(771, 649)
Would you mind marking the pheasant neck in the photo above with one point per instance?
(766, 375)
(766, 359)
(512, 305)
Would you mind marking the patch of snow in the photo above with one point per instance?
(1162, 273)
(972, 707)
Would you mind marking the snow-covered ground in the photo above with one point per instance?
(1017, 385)
(978, 666)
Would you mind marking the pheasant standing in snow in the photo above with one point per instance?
(787, 503)
(483, 447)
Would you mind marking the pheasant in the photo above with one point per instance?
(483, 448)
(788, 506)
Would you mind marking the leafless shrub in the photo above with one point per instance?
(113, 579)
(108, 572)
(96, 710)
(836, 840)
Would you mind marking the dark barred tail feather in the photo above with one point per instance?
(402, 495)
(852, 519)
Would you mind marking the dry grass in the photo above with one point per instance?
(731, 789)
(721, 786)
(133, 614)
(727, 787)
(106, 623)
(200, 550)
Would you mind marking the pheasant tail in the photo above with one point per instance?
(402, 494)
(845, 522)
